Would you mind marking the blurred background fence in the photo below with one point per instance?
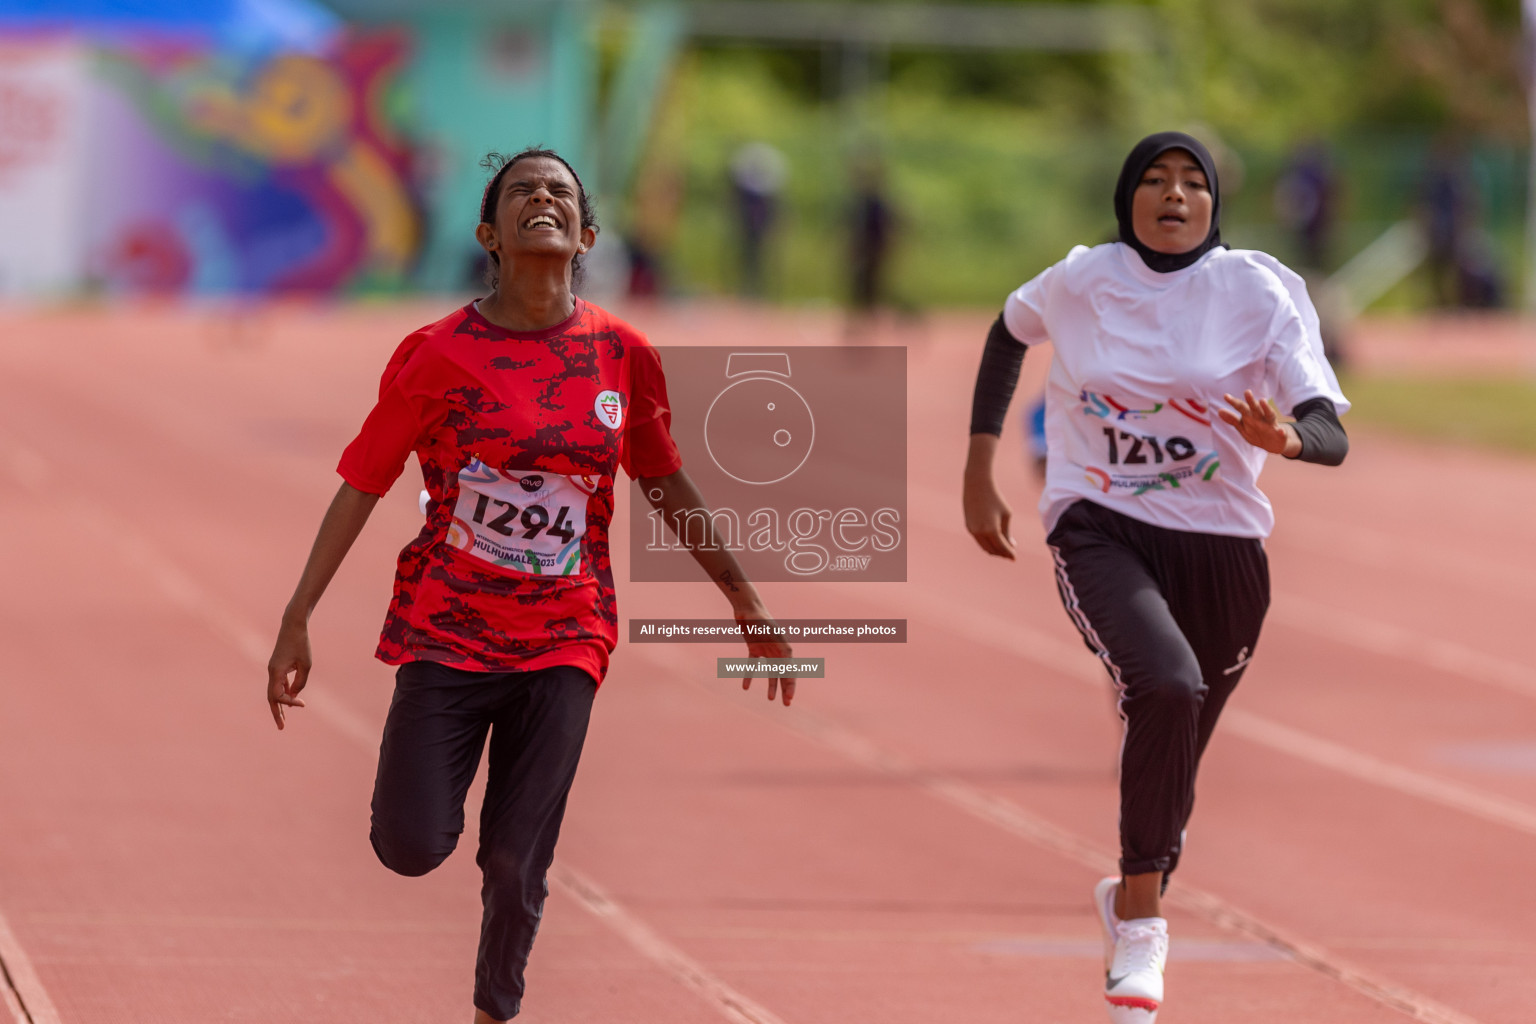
(909, 155)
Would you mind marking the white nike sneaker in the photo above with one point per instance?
(1133, 985)
(1109, 924)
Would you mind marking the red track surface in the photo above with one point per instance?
(913, 842)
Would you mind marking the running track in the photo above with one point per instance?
(912, 843)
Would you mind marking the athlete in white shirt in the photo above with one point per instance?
(1167, 349)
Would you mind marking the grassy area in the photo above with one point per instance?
(1491, 412)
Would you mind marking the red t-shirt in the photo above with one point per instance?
(520, 435)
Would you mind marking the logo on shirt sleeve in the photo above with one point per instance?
(609, 408)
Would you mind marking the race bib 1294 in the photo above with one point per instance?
(1130, 447)
(526, 520)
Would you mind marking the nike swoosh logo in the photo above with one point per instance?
(1110, 981)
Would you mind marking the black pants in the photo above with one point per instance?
(1175, 617)
(433, 737)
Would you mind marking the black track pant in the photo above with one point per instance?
(1175, 617)
(433, 737)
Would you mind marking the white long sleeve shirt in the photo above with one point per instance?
(1141, 362)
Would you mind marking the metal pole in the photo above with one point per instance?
(1529, 11)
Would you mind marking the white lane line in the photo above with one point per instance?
(31, 471)
(1076, 663)
(13, 1013)
(24, 994)
(1327, 754)
(1010, 817)
(1372, 549)
(230, 626)
(732, 1004)
(1350, 628)
(21, 990)
(1384, 638)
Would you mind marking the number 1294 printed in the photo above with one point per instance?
(527, 521)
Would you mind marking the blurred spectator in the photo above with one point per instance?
(1333, 315)
(872, 228)
(757, 177)
(657, 206)
(645, 269)
(1444, 199)
(1478, 281)
(1462, 269)
(1306, 203)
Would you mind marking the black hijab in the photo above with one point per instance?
(1146, 151)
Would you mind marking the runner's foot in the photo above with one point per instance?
(1104, 905)
(1133, 985)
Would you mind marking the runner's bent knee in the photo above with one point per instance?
(410, 852)
(1172, 680)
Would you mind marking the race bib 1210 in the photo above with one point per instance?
(526, 520)
(1130, 447)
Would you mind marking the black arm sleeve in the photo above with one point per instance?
(995, 381)
(1322, 435)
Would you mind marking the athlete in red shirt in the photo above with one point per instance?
(521, 408)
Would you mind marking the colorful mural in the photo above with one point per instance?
(260, 146)
(210, 172)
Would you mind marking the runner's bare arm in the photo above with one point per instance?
(1259, 423)
(987, 515)
(288, 669)
(677, 495)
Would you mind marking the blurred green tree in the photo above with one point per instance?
(999, 161)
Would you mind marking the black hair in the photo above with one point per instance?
(497, 164)
(1146, 151)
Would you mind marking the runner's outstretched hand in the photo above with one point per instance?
(771, 644)
(288, 669)
(988, 516)
(1259, 424)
